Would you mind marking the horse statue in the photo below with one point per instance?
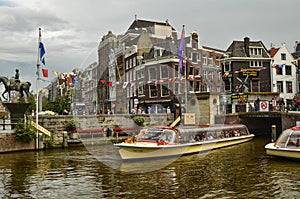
(12, 84)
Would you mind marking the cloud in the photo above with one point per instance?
(72, 30)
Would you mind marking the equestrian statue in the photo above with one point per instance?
(15, 84)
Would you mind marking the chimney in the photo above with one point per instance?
(195, 36)
(246, 46)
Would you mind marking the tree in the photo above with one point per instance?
(60, 104)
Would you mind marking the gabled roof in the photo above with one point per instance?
(237, 48)
(133, 41)
(139, 23)
(169, 49)
(273, 52)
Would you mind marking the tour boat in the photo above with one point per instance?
(164, 141)
(287, 145)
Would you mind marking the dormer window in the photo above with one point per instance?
(255, 52)
(158, 52)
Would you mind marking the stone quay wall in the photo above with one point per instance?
(9, 143)
(57, 124)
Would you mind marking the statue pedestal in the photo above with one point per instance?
(16, 110)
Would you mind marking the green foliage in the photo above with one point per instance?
(32, 105)
(24, 131)
(50, 143)
(139, 121)
(71, 125)
(60, 104)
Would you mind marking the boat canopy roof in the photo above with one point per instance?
(289, 138)
(221, 127)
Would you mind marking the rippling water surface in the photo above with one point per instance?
(242, 171)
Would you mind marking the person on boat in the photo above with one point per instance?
(150, 110)
(163, 137)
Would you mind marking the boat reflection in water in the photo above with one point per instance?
(287, 145)
(162, 141)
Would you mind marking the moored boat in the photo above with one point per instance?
(163, 141)
(287, 145)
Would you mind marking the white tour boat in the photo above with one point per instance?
(287, 145)
(164, 141)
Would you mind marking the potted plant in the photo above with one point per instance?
(71, 129)
(139, 121)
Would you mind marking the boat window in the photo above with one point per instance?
(283, 138)
(294, 139)
(149, 135)
(168, 136)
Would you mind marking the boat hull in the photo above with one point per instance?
(134, 151)
(282, 152)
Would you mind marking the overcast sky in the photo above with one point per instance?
(72, 29)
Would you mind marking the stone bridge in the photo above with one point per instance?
(260, 123)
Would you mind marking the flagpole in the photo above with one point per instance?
(37, 91)
(185, 73)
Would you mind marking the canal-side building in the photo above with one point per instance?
(143, 70)
(106, 45)
(246, 69)
(88, 80)
(130, 55)
(296, 55)
(283, 74)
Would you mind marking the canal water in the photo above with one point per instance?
(242, 171)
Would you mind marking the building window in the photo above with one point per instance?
(164, 72)
(182, 88)
(227, 67)
(191, 70)
(194, 45)
(283, 56)
(278, 71)
(219, 75)
(133, 75)
(177, 88)
(204, 60)
(289, 87)
(176, 67)
(191, 88)
(164, 89)
(205, 74)
(153, 90)
(141, 89)
(210, 61)
(198, 71)
(133, 91)
(134, 61)
(194, 57)
(130, 63)
(211, 75)
(279, 86)
(127, 92)
(126, 64)
(140, 74)
(255, 52)
(255, 86)
(158, 52)
(256, 64)
(152, 74)
(197, 86)
(288, 70)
